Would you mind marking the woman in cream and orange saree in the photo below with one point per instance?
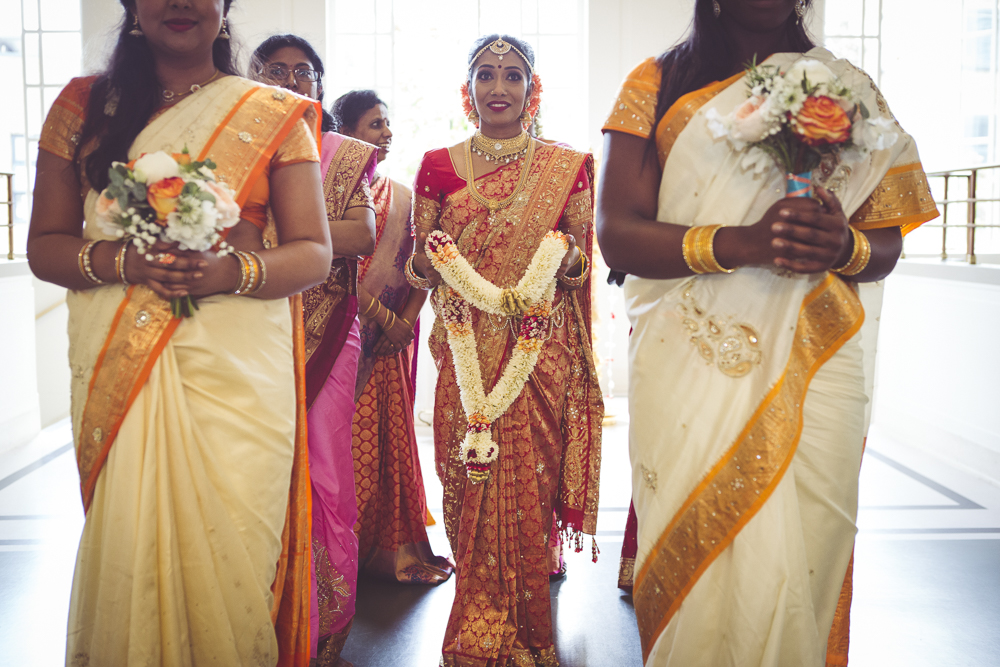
(332, 347)
(748, 389)
(392, 504)
(500, 205)
(189, 432)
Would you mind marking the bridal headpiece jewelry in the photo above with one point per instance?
(501, 47)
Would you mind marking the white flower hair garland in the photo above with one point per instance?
(533, 296)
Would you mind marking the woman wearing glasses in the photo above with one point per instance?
(498, 195)
(186, 430)
(332, 347)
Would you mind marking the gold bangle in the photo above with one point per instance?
(698, 248)
(574, 282)
(388, 324)
(408, 322)
(263, 273)
(244, 272)
(120, 264)
(417, 282)
(860, 256)
(84, 263)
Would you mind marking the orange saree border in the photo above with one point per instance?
(142, 324)
(743, 479)
(682, 111)
(902, 199)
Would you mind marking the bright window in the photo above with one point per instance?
(40, 51)
(414, 55)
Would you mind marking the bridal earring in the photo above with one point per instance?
(800, 10)
(716, 9)
(136, 31)
(224, 33)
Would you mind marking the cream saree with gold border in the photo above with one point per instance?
(747, 406)
(182, 536)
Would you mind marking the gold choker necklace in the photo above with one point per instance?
(501, 150)
(494, 205)
(170, 96)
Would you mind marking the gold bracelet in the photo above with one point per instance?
(263, 273)
(698, 248)
(84, 263)
(574, 282)
(374, 303)
(389, 314)
(417, 282)
(408, 322)
(244, 272)
(120, 264)
(860, 256)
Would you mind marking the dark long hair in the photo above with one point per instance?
(267, 48)
(348, 109)
(124, 97)
(706, 55)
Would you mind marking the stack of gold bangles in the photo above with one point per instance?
(415, 281)
(390, 317)
(253, 273)
(699, 250)
(575, 282)
(860, 256)
(83, 261)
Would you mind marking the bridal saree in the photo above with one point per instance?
(549, 438)
(190, 433)
(747, 400)
(392, 504)
(332, 346)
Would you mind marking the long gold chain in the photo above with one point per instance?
(495, 205)
(505, 150)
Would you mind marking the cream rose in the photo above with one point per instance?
(153, 167)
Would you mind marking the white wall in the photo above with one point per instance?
(938, 375)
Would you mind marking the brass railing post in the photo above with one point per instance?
(970, 237)
(944, 220)
(10, 214)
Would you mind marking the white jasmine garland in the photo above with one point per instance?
(478, 450)
(483, 294)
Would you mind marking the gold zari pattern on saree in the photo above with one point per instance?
(742, 480)
(901, 199)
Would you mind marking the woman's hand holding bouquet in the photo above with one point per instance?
(175, 214)
(798, 120)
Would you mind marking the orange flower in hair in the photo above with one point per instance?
(536, 95)
(467, 106)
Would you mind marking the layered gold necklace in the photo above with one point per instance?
(500, 150)
(495, 205)
(171, 96)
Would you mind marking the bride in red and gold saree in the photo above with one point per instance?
(549, 438)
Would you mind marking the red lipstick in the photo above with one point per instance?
(180, 25)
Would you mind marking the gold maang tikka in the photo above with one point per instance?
(501, 48)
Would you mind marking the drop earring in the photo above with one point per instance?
(716, 9)
(224, 33)
(136, 31)
(474, 117)
(525, 118)
(800, 10)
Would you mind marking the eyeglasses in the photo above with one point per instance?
(281, 74)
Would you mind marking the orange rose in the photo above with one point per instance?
(822, 121)
(182, 158)
(162, 196)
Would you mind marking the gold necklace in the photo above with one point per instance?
(501, 150)
(171, 96)
(495, 205)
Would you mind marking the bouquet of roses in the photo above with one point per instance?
(799, 119)
(168, 198)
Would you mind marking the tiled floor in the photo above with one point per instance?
(927, 567)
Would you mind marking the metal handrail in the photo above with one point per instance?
(971, 174)
(10, 213)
